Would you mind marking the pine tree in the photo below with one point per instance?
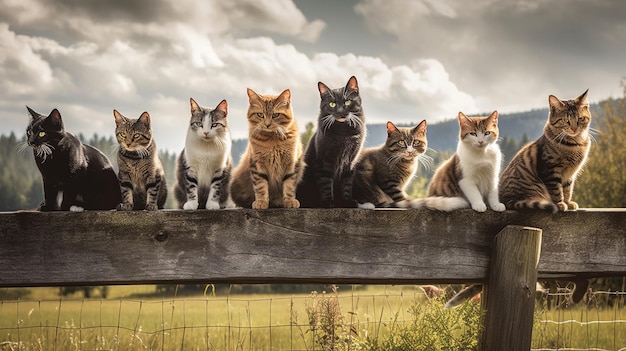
(603, 180)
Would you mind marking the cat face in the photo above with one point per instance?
(269, 115)
(206, 123)
(342, 105)
(479, 132)
(134, 135)
(44, 132)
(569, 118)
(406, 143)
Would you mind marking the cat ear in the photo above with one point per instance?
(555, 102)
(323, 88)
(33, 114)
(119, 119)
(145, 118)
(55, 118)
(285, 97)
(464, 120)
(352, 84)
(582, 99)
(194, 105)
(223, 107)
(494, 116)
(420, 129)
(252, 96)
(391, 128)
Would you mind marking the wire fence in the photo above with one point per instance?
(369, 319)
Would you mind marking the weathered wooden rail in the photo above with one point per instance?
(322, 246)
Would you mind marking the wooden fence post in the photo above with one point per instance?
(509, 294)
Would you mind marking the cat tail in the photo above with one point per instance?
(440, 203)
(535, 204)
(464, 295)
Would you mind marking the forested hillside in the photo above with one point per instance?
(21, 186)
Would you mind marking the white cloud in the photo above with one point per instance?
(275, 16)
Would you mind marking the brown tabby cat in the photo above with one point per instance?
(272, 165)
(141, 174)
(382, 173)
(542, 174)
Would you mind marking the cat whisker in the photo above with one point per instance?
(393, 160)
(22, 146)
(425, 161)
(280, 130)
(326, 122)
(44, 150)
(354, 121)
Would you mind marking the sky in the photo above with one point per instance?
(414, 60)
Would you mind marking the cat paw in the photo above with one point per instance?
(260, 204)
(481, 207)
(75, 208)
(562, 206)
(191, 205)
(151, 207)
(367, 206)
(499, 207)
(292, 203)
(212, 205)
(124, 207)
(572, 206)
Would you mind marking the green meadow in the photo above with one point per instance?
(370, 318)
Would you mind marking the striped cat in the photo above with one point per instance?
(141, 172)
(382, 173)
(272, 164)
(470, 176)
(204, 166)
(542, 174)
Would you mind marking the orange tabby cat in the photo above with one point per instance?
(272, 165)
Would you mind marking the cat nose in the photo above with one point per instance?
(574, 129)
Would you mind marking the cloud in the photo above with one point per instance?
(274, 16)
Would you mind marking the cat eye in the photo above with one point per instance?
(214, 125)
(347, 103)
(41, 134)
(472, 134)
(332, 104)
(401, 143)
(197, 124)
(136, 136)
(260, 115)
(487, 133)
(416, 143)
(275, 115)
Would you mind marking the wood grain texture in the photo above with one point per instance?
(293, 246)
(510, 291)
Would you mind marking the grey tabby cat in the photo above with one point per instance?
(382, 173)
(141, 174)
(204, 166)
(542, 174)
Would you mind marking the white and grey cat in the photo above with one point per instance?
(470, 176)
(204, 166)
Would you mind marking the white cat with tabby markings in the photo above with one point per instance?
(204, 166)
(470, 176)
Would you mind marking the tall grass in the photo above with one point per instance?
(375, 319)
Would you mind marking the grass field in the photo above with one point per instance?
(374, 318)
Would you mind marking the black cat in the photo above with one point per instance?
(332, 152)
(76, 176)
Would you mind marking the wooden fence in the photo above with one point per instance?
(506, 251)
